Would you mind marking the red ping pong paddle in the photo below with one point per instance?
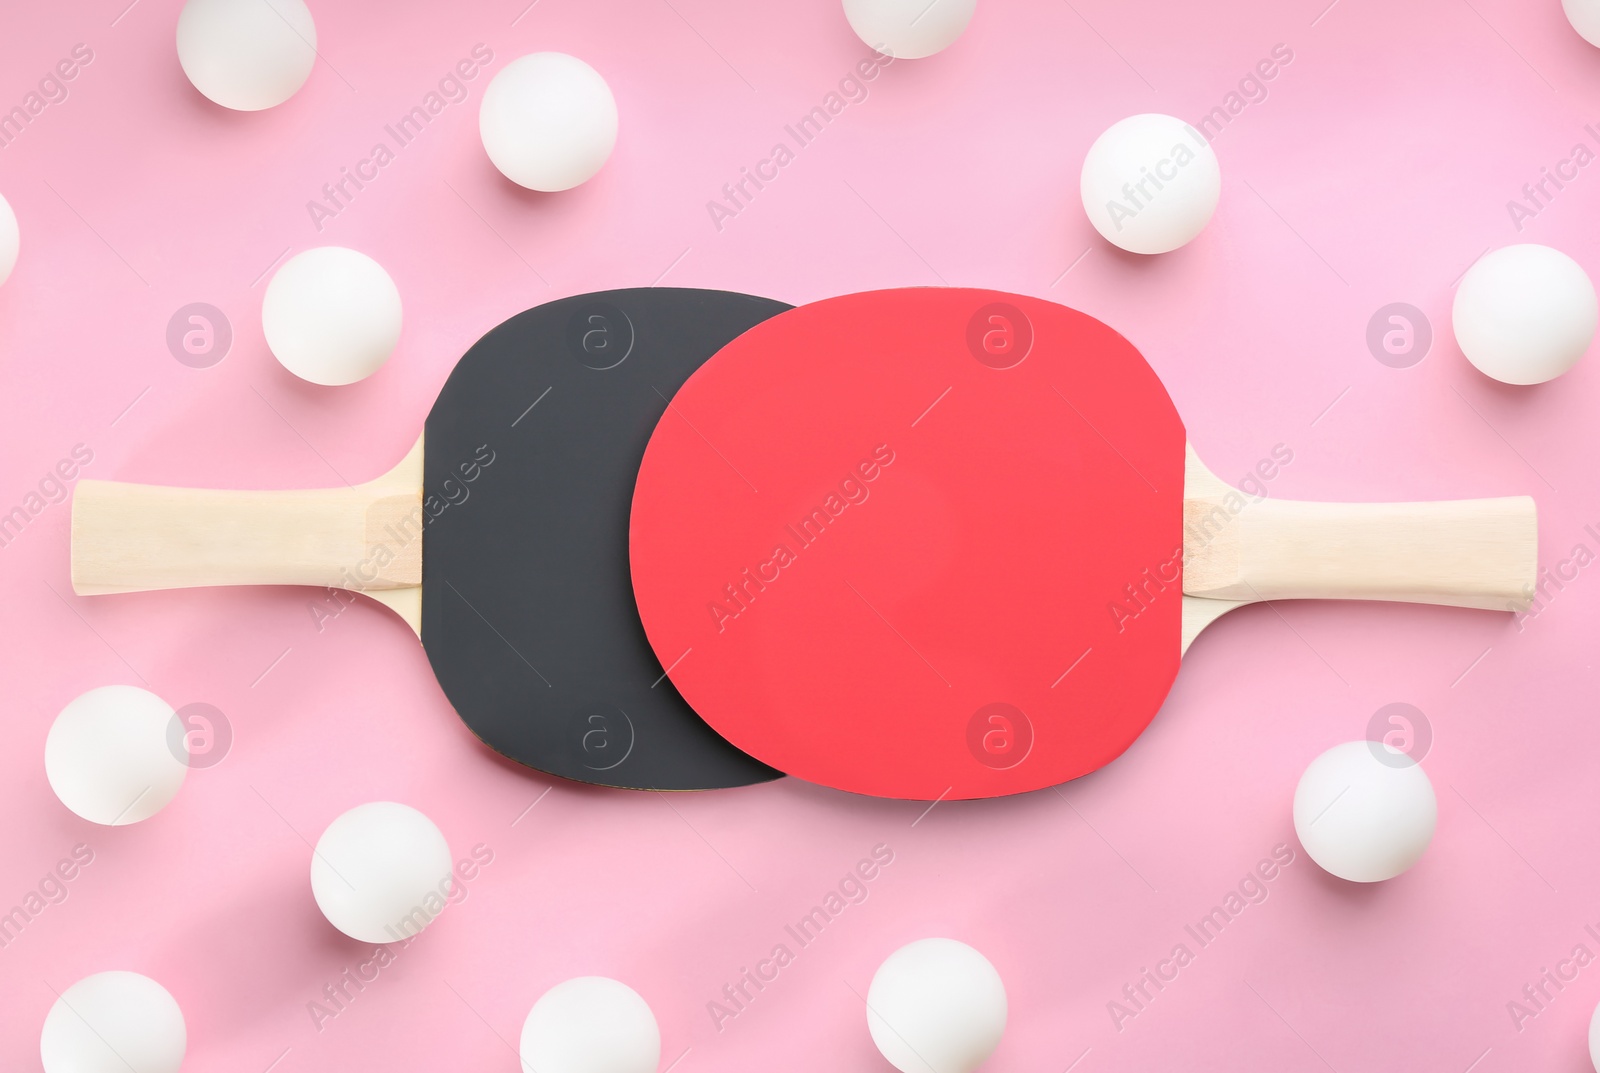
(942, 543)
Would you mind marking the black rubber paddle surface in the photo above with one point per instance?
(528, 615)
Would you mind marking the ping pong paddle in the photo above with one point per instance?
(939, 543)
(501, 538)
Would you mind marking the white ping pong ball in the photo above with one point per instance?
(1150, 183)
(909, 29)
(591, 1024)
(247, 54)
(1585, 18)
(936, 1006)
(10, 240)
(109, 757)
(1365, 811)
(331, 315)
(1594, 1039)
(113, 1022)
(1525, 314)
(381, 872)
(548, 121)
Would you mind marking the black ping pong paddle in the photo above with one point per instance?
(501, 538)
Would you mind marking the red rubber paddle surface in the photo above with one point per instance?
(918, 543)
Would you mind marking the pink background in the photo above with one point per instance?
(1376, 170)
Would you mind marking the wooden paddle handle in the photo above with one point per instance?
(133, 537)
(1464, 553)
